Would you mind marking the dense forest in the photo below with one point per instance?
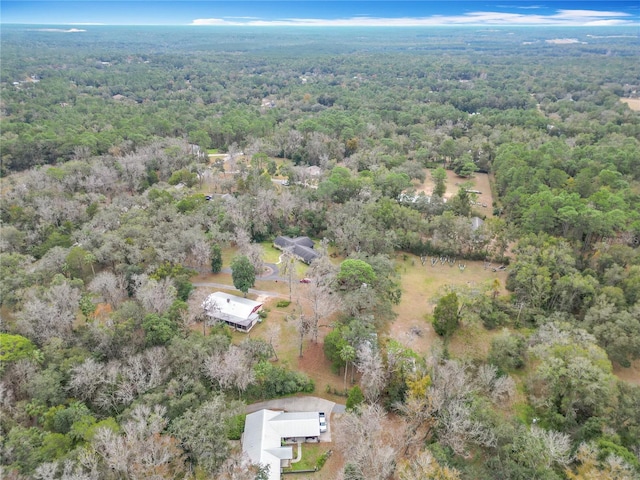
(135, 160)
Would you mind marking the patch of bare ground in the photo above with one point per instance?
(634, 103)
(480, 182)
(631, 374)
(314, 364)
(420, 285)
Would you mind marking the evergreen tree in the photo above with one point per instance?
(243, 273)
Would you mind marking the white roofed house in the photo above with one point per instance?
(239, 313)
(265, 431)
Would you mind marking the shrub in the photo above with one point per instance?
(283, 303)
(323, 459)
(274, 381)
(236, 427)
(355, 398)
(507, 351)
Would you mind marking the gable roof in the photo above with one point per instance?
(264, 431)
(230, 308)
(301, 247)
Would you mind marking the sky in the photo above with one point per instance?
(321, 13)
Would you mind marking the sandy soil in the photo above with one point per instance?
(634, 103)
(480, 182)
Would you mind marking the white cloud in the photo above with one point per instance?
(561, 18)
(588, 14)
(59, 30)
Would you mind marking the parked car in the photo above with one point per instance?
(323, 422)
(305, 280)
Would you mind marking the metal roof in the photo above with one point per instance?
(230, 308)
(264, 431)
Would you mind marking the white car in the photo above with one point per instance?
(323, 422)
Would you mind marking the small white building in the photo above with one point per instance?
(265, 431)
(237, 312)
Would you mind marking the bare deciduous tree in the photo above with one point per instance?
(230, 369)
(446, 407)
(201, 251)
(288, 268)
(303, 326)
(86, 379)
(367, 444)
(50, 314)
(253, 251)
(273, 337)
(320, 293)
(369, 364)
(154, 295)
(425, 466)
(197, 308)
(143, 451)
(109, 287)
(114, 384)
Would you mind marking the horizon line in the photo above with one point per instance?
(307, 25)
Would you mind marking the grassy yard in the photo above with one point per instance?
(420, 285)
(311, 453)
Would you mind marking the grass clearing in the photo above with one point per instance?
(271, 254)
(634, 103)
(479, 181)
(420, 285)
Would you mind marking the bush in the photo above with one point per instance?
(355, 398)
(235, 427)
(273, 381)
(283, 303)
(323, 459)
(507, 351)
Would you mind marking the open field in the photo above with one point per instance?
(631, 374)
(480, 182)
(420, 284)
(634, 103)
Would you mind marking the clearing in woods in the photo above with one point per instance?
(421, 284)
(634, 103)
(480, 182)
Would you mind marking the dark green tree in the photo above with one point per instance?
(354, 273)
(439, 176)
(243, 273)
(216, 258)
(158, 330)
(445, 315)
(355, 398)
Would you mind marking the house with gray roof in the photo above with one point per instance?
(267, 432)
(300, 247)
(237, 312)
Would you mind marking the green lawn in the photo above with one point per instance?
(311, 452)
